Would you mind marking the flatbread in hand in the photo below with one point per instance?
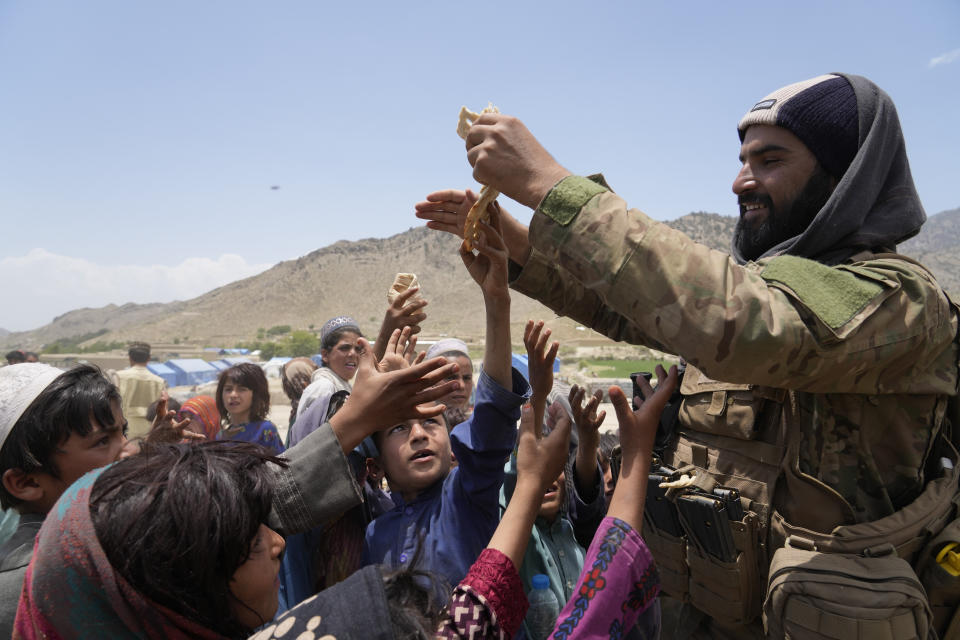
(478, 211)
(401, 283)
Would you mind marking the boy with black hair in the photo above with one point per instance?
(453, 512)
(54, 427)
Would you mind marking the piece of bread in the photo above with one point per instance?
(401, 283)
(478, 211)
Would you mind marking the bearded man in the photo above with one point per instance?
(820, 361)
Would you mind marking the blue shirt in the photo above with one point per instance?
(457, 515)
(263, 433)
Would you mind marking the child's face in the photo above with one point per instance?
(237, 399)
(256, 582)
(553, 498)
(80, 454)
(460, 398)
(415, 454)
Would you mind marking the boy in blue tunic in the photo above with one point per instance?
(452, 512)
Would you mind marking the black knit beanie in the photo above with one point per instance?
(822, 112)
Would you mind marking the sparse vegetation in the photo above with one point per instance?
(621, 368)
(278, 330)
(73, 344)
(298, 343)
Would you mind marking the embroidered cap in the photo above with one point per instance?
(340, 322)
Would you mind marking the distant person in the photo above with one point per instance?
(16, 357)
(455, 350)
(295, 376)
(31, 356)
(340, 350)
(139, 388)
(243, 400)
(203, 415)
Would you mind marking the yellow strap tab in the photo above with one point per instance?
(949, 559)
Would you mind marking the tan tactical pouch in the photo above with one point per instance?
(727, 447)
(841, 596)
(728, 591)
(723, 408)
(671, 556)
(871, 561)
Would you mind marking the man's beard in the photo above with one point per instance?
(796, 216)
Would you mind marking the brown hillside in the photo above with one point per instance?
(352, 278)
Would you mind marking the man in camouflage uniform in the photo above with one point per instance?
(836, 356)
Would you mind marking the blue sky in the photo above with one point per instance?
(139, 141)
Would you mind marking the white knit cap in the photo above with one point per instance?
(20, 384)
(446, 346)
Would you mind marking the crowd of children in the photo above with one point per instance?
(396, 509)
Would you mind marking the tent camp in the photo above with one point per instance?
(165, 372)
(274, 366)
(191, 371)
(232, 361)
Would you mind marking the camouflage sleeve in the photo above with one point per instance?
(543, 280)
(868, 327)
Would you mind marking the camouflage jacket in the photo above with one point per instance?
(863, 354)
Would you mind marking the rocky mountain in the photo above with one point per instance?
(353, 277)
(937, 246)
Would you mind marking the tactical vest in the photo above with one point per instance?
(799, 560)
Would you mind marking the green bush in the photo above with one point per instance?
(278, 330)
(301, 343)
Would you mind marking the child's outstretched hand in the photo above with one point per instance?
(637, 432)
(540, 361)
(588, 423)
(489, 266)
(166, 429)
(383, 398)
(540, 458)
(405, 311)
(586, 417)
(639, 428)
(400, 351)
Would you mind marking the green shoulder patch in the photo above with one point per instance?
(833, 295)
(567, 197)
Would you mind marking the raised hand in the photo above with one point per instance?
(167, 430)
(488, 267)
(637, 432)
(540, 361)
(383, 398)
(400, 350)
(447, 210)
(588, 422)
(586, 417)
(541, 458)
(405, 311)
